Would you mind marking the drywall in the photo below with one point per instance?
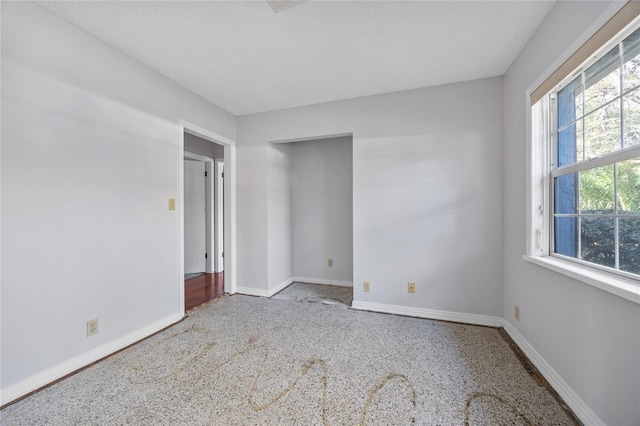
(251, 178)
(322, 209)
(589, 337)
(279, 250)
(201, 146)
(427, 194)
(195, 227)
(90, 158)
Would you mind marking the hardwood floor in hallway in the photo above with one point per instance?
(203, 288)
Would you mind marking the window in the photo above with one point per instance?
(594, 177)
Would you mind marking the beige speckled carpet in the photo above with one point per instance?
(243, 360)
(317, 293)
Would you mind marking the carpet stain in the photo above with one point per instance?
(299, 368)
(176, 373)
(473, 396)
(305, 369)
(376, 390)
(252, 344)
(138, 366)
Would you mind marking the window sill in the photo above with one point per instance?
(601, 280)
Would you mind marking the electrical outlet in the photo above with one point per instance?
(172, 203)
(411, 287)
(92, 327)
(330, 263)
(517, 313)
(367, 286)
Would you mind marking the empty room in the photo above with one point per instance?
(392, 212)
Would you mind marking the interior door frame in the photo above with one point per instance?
(230, 240)
(209, 208)
(218, 214)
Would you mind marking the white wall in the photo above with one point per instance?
(195, 221)
(251, 183)
(89, 159)
(427, 194)
(591, 338)
(279, 251)
(322, 209)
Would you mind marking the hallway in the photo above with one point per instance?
(202, 288)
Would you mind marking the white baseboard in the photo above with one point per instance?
(74, 364)
(308, 280)
(284, 284)
(577, 405)
(250, 291)
(429, 314)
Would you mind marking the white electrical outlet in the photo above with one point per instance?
(92, 327)
(367, 286)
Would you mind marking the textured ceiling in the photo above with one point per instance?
(245, 58)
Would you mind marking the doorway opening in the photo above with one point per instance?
(203, 214)
(317, 173)
(207, 240)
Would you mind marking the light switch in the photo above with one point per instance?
(172, 203)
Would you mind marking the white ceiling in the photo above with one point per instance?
(245, 58)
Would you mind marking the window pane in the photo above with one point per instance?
(565, 192)
(596, 191)
(602, 131)
(598, 240)
(566, 236)
(570, 144)
(570, 102)
(596, 212)
(632, 119)
(629, 230)
(631, 52)
(602, 81)
(580, 140)
(629, 187)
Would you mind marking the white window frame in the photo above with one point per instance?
(540, 193)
